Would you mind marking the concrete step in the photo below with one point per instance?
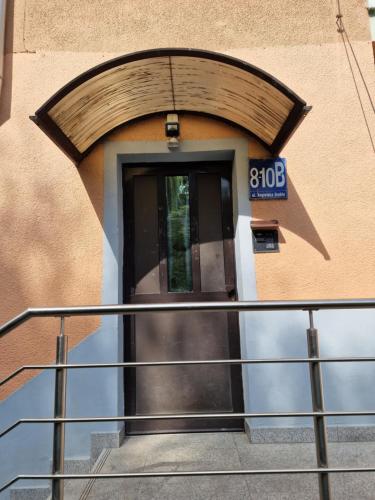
(216, 451)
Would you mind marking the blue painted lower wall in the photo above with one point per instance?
(347, 386)
(28, 448)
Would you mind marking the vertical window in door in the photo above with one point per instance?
(178, 233)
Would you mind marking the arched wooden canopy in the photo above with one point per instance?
(169, 80)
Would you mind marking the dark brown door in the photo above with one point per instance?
(179, 247)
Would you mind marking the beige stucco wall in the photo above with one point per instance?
(112, 25)
(51, 213)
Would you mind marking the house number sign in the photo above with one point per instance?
(268, 179)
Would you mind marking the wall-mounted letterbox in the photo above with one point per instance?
(265, 237)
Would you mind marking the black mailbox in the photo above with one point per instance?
(265, 240)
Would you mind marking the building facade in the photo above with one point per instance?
(64, 210)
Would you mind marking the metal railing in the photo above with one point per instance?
(61, 366)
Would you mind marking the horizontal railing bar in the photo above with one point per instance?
(188, 362)
(181, 416)
(125, 309)
(119, 475)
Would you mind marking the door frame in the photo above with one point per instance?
(224, 170)
(117, 153)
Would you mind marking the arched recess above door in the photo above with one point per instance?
(169, 80)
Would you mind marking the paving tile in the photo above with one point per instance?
(198, 458)
(73, 488)
(119, 462)
(221, 488)
(352, 454)
(280, 456)
(356, 433)
(296, 435)
(158, 441)
(166, 488)
(353, 486)
(115, 489)
(285, 487)
(194, 457)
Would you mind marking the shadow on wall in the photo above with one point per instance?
(293, 216)
(6, 91)
(303, 225)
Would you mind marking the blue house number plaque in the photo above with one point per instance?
(267, 179)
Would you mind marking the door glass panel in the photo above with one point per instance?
(178, 233)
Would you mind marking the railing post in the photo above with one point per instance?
(320, 430)
(59, 412)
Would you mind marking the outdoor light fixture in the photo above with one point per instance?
(172, 127)
(172, 131)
